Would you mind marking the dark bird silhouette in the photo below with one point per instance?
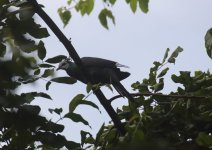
(98, 70)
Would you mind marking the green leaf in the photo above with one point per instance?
(76, 118)
(56, 59)
(208, 42)
(159, 86)
(41, 50)
(133, 5)
(48, 72)
(31, 95)
(165, 55)
(90, 6)
(89, 87)
(204, 139)
(85, 7)
(78, 100)
(64, 80)
(75, 102)
(104, 14)
(84, 136)
(174, 55)
(33, 28)
(112, 1)
(143, 4)
(99, 134)
(163, 72)
(65, 15)
(2, 50)
(37, 72)
(69, 2)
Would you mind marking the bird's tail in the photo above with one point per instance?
(121, 90)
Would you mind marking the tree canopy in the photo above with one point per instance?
(178, 120)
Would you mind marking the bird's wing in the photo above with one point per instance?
(99, 62)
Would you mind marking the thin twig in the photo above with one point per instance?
(161, 95)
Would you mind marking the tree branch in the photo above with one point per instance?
(157, 94)
(72, 52)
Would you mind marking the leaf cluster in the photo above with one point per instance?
(85, 7)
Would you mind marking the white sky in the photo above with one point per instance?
(136, 41)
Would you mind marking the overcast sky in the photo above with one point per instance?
(136, 41)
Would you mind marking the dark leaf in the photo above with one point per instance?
(99, 134)
(2, 50)
(30, 109)
(45, 66)
(75, 102)
(41, 50)
(76, 118)
(204, 139)
(165, 55)
(159, 86)
(163, 72)
(89, 87)
(48, 84)
(31, 95)
(174, 55)
(56, 59)
(78, 100)
(56, 110)
(208, 42)
(84, 137)
(72, 145)
(64, 80)
(37, 72)
(53, 127)
(48, 72)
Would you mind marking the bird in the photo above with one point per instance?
(98, 71)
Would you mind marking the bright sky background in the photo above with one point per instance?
(136, 41)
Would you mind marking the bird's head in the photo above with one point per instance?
(64, 64)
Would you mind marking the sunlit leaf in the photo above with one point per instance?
(65, 15)
(99, 134)
(143, 4)
(133, 5)
(104, 14)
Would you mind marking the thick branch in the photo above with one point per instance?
(161, 95)
(72, 52)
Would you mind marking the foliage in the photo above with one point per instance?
(85, 7)
(176, 121)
